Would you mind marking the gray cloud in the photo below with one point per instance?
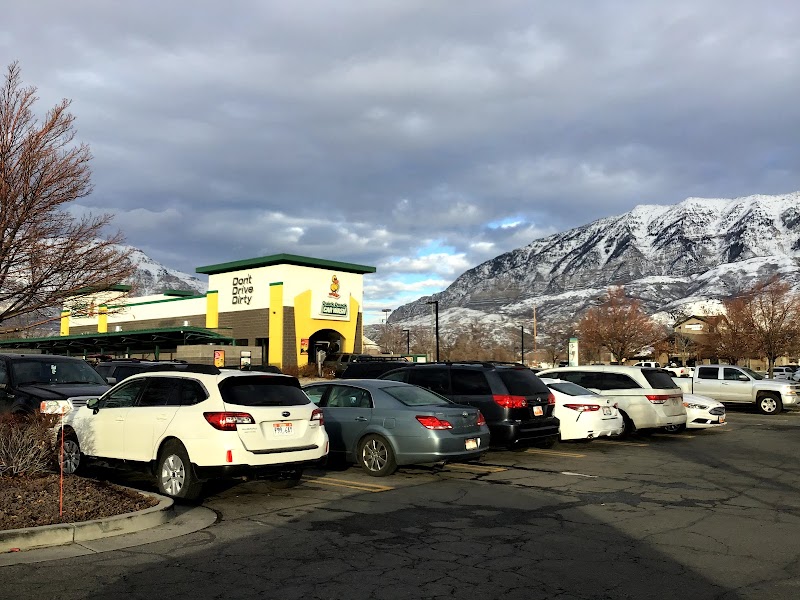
(373, 132)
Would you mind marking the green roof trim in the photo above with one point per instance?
(182, 293)
(285, 259)
(275, 283)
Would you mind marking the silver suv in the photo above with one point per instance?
(647, 398)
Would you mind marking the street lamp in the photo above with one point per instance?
(522, 344)
(386, 312)
(436, 313)
(408, 340)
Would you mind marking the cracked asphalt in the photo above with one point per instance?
(709, 514)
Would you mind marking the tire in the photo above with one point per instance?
(675, 428)
(286, 480)
(174, 473)
(629, 429)
(769, 404)
(376, 456)
(72, 461)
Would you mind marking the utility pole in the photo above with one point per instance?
(535, 363)
(385, 343)
(522, 344)
(408, 340)
(436, 321)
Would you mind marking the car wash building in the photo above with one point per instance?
(278, 310)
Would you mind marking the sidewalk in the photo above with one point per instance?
(65, 540)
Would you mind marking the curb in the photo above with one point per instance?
(29, 538)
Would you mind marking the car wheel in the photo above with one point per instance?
(376, 456)
(71, 459)
(629, 428)
(769, 404)
(675, 428)
(286, 480)
(176, 477)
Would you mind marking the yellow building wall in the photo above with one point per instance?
(275, 355)
(305, 326)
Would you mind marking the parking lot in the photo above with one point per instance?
(708, 514)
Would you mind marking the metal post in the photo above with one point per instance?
(436, 321)
(522, 344)
(408, 340)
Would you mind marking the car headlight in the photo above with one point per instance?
(695, 406)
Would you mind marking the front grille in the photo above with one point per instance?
(717, 410)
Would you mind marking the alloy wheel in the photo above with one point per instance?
(375, 455)
(173, 475)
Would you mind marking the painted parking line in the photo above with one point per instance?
(476, 468)
(553, 452)
(353, 485)
(620, 443)
(673, 436)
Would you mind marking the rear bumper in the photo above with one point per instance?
(509, 432)
(410, 451)
(226, 471)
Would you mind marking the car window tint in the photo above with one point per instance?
(436, 379)
(160, 391)
(658, 379)
(469, 382)
(123, 372)
(587, 379)
(707, 372)
(262, 391)
(396, 376)
(316, 392)
(522, 382)
(343, 396)
(616, 381)
(731, 374)
(124, 395)
(105, 370)
(191, 392)
(571, 389)
(415, 396)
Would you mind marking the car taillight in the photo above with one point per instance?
(657, 398)
(228, 421)
(583, 407)
(433, 422)
(509, 401)
(481, 420)
(551, 399)
(317, 415)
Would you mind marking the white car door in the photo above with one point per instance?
(100, 430)
(149, 418)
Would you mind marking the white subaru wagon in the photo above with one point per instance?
(191, 423)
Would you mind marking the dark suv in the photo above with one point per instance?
(115, 370)
(28, 379)
(517, 406)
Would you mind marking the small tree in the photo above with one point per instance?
(47, 255)
(620, 325)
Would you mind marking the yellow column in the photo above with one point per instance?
(276, 324)
(64, 322)
(212, 309)
(102, 319)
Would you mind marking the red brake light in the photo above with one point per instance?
(228, 421)
(481, 420)
(317, 415)
(509, 401)
(658, 399)
(433, 422)
(551, 399)
(583, 407)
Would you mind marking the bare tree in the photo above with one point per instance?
(730, 336)
(620, 325)
(555, 341)
(46, 254)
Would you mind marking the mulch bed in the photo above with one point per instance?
(34, 501)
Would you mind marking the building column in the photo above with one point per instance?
(65, 322)
(212, 309)
(102, 319)
(275, 324)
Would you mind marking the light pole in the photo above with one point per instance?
(408, 340)
(522, 344)
(436, 322)
(385, 343)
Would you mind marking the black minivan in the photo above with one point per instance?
(517, 406)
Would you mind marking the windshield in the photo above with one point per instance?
(571, 389)
(55, 370)
(411, 395)
(750, 372)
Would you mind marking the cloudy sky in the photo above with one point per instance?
(419, 137)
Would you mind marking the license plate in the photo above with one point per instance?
(606, 410)
(282, 428)
(472, 444)
(538, 411)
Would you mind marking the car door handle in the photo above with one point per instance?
(362, 419)
(161, 418)
(120, 419)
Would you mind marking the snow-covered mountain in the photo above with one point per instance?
(671, 257)
(152, 277)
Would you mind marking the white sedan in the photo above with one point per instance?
(582, 413)
(702, 412)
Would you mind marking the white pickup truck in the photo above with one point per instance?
(727, 383)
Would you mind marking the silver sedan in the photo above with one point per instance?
(382, 424)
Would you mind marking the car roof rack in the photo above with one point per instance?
(186, 368)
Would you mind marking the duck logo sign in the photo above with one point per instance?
(333, 307)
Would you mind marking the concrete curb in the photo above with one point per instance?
(68, 533)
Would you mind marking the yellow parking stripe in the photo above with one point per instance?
(554, 452)
(620, 443)
(476, 468)
(672, 435)
(364, 487)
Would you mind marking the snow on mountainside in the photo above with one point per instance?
(699, 250)
(154, 278)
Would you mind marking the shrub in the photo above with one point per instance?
(27, 445)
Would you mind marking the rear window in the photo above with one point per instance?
(415, 396)
(659, 379)
(522, 382)
(262, 391)
(571, 389)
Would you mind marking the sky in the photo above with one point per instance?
(422, 138)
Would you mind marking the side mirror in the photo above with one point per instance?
(111, 380)
(743, 377)
(92, 403)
